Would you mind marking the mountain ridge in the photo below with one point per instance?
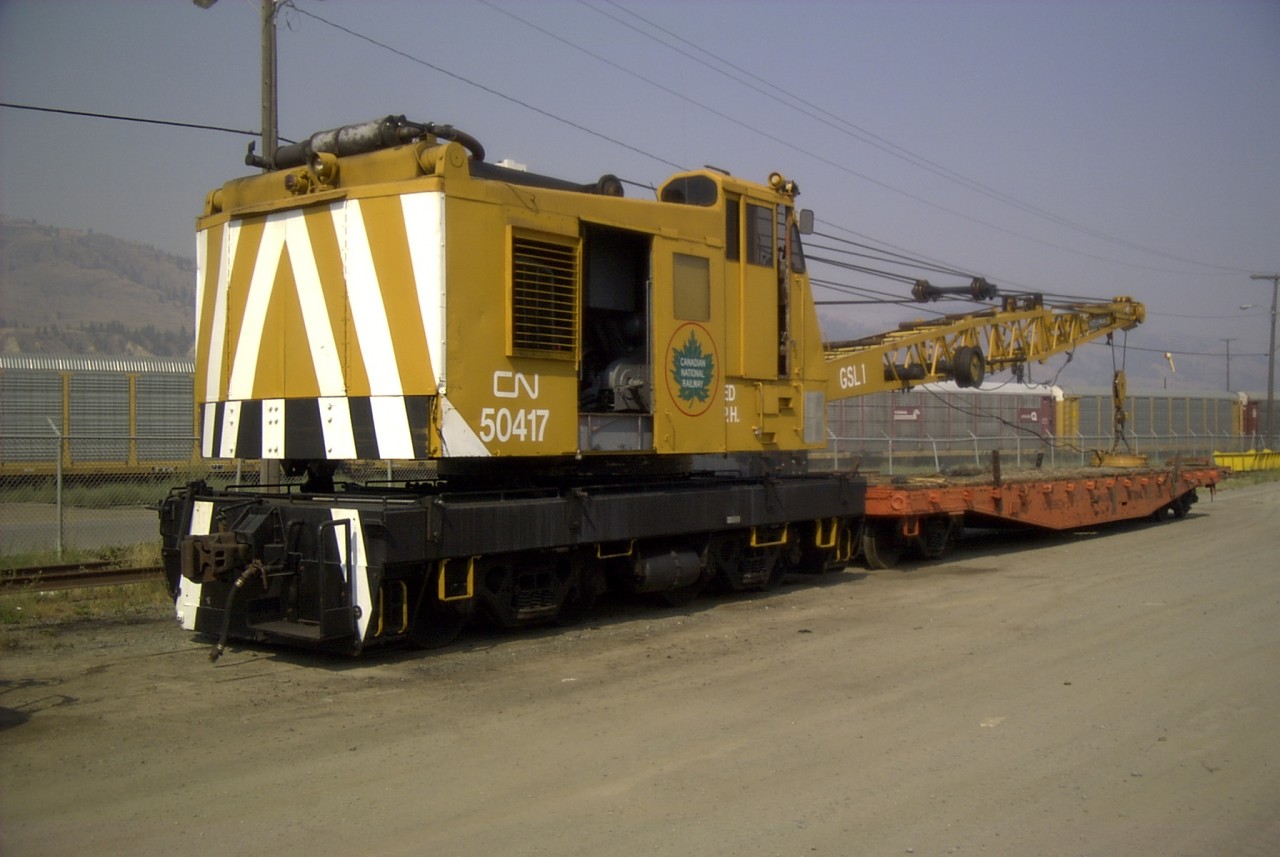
(70, 291)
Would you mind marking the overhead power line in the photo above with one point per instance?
(793, 101)
(896, 257)
(842, 167)
(140, 119)
(761, 132)
(488, 89)
(1177, 353)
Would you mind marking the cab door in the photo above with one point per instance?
(763, 319)
(689, 342)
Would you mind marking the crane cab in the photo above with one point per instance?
(409, 301)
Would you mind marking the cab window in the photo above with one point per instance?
(732, 244)
(690, 190)
(759, 235)
(691, 287)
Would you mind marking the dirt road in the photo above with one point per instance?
(1089, 695)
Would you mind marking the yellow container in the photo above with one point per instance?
(1245, 462)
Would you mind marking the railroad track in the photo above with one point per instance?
(75, 576)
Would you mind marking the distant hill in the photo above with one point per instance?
(63, 291)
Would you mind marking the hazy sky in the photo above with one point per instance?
(1081, 148)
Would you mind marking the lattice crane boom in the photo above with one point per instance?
(963, 347)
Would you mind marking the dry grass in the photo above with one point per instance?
(27, 610)
(1257, 477)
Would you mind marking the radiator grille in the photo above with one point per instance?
(544, 298)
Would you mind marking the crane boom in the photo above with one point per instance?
(962, 347)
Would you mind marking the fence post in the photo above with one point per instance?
(57, 488)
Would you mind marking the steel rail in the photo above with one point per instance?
(75, 576)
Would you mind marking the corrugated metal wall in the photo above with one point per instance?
(164, 417)
(946, 420)
(28, 400)
(98, 416)
(915, 418)
(121, 413)
(1171, 416)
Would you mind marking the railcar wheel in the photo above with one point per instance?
(936, 537)
(682, 595)
(436, 630)
(723, 560)
(589, 586)
(880, 548)
(777, 569)
(434, 625)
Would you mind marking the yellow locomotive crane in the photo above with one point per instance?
(606, 385)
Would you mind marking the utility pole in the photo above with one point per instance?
(1269, 438)
(1228, 340)
(269, 471)
(270, 114)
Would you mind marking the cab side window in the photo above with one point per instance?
(759, 235)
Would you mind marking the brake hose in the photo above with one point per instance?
(254, 568)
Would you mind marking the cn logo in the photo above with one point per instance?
(508, 385)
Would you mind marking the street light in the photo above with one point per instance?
(1269, 437)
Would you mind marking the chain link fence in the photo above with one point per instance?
(897, 455)
(70, 509)
(66, 510)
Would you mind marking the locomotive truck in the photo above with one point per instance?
(614, 393)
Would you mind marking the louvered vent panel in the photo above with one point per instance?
(544, 298)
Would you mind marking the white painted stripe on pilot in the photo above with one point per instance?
(273, 428)
(315, 315)
(424, 226)
(359, 580)
(218, 324)
(244, 364)
(335, 422)
(230, 428)
(391, 426)
(457, 438)
(202, 272)
(188, 601)
(208, 427)
(368, 311)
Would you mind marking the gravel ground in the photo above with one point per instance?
(1093, 694)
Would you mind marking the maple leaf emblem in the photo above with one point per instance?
(693, 370)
